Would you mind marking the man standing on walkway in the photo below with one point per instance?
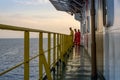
(75, 38)
(72, 35)
(78, 37)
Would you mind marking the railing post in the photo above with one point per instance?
(62, 58)
(67, 44)
(71, 41)
(26, 55)
(60, 46)
(62, 52)
(40, 54)
(54, 49)
(54, 54)
(57, 47)
(57, 56)
(63, 44)
(49, 49)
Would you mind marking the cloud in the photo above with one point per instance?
(31, 2)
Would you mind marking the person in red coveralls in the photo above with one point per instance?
(78, 37)
(75, 37)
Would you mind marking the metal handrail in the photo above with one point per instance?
(59, 45)
(21, 63)
(15, 28)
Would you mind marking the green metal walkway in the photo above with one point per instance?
(78, 65)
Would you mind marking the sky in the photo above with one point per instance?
(37, 14)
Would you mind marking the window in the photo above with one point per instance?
(108, 12)
(96, 14)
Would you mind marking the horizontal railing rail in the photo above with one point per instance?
(15, 28)
(61, 43)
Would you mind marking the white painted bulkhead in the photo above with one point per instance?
(112, 46)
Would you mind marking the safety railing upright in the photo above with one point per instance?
(61, 43)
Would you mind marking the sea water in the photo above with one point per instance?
(12, 52)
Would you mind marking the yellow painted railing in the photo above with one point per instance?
(61, 43)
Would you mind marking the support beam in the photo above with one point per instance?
(93, 51)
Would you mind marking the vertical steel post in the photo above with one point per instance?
(54, 54)
(57, 46)
(63, 44)
(54, 49)
(26, 55)
(62, 51)
(49, 49)
(40, 54)
(60, 46)
(93, 51)
(61, 55)
(57, 56)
